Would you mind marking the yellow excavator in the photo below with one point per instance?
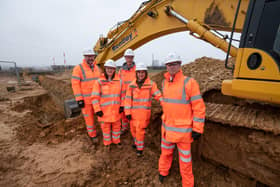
(257, 66)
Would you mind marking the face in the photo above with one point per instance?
(110, 71)
(173, 67)
(90, 58)
(129, 59)
(141, 74)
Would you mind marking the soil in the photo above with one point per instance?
(38, 147)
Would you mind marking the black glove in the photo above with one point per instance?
(128, 117)
(121, 109)
(196, 135)
(99, 113)
(81, 103)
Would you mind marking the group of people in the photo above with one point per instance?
(122, 100)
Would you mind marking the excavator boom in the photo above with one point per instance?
(152, 21)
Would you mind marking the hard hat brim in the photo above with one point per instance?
(173, 61)
(110, 66)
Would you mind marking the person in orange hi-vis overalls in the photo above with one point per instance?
(127, 74)
(83, 77)
(137, 107)
(182, 120)
(107, 101)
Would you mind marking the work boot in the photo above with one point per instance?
(94, 140)
(161, 178)
(139, 153)
(133, 146)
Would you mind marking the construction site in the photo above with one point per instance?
(41, 144)
(39, 147)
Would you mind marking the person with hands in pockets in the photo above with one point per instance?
(137, 105)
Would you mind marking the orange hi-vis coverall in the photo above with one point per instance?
(127, 75)
(138, 103)
(107, 97)
(83, 77)
(183, 112)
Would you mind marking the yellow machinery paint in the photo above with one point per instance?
(247, 83)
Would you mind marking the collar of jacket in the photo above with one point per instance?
(126, 67)
(147, 83)
(103, 78)
(177, 76)
(86, 64)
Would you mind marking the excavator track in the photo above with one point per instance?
(248, 116)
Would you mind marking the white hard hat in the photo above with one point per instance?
(172, 57)
(141, 66)
(110, 63)
(89, 52)
(129, 52)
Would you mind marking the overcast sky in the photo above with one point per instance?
(35, 31)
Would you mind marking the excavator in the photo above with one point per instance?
(256, 71)
(245, 121)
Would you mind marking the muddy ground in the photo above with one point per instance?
(38, 147)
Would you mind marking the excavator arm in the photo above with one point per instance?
(257, 66)
(153, 20)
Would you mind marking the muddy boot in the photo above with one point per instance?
(133, 146)
(94, 140)
(161, 178)
(139, 153)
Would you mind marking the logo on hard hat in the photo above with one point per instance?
(125, 40)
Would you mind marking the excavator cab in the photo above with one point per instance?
(257, 67)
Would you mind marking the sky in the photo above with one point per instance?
(33, 32)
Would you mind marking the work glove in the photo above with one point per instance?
(128, 117)
(81, 103)
(196, 135)
(99, 113)
(121, 109)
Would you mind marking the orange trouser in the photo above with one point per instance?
(88, 116)
(166, 157)
(125, 122)
(138, 133)
(109, 135)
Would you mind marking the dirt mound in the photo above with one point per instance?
(59, 88)
(44, 122)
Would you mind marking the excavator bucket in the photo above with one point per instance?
(71, 108)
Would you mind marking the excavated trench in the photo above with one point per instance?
(234, 151)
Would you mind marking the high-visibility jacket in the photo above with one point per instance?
(107, 96)
(183, 108)
(127, 74)
(82, 80)
(138, 100)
